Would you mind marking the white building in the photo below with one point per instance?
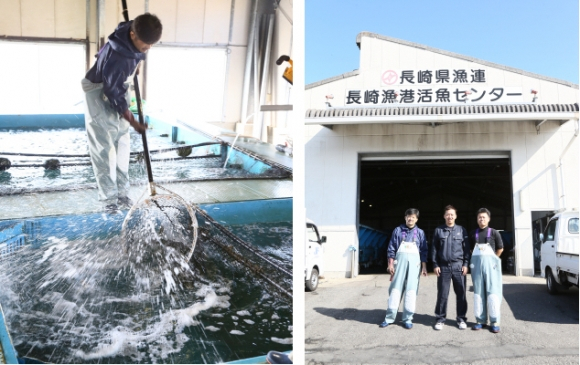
(422, 127)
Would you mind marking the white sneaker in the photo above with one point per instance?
(438, 326)
(462, 325)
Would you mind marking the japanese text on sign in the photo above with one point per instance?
(424, 95)
(428, 77)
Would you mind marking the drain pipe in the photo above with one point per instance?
(256, 72)
(258, 127)
(352, 250)
(562, 163)
(248, 69)
(100, 24)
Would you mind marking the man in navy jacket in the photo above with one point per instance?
(107, 114)
(450, 256)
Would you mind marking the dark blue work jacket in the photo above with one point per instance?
(450, 245)
(116, 61)
(397, 238)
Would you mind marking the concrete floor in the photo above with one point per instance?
(342, 318)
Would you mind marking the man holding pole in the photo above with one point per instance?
(107, 114)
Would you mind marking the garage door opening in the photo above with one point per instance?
(388, 187)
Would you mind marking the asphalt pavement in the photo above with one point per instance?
(342, 318)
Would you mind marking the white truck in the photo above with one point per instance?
(559, 262)
(314, 256)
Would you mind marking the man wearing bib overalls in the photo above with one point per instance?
(485, 267)
(107, 114)
(407, 254)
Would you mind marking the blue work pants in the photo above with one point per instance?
(451, 273)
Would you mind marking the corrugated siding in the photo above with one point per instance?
(442, 110)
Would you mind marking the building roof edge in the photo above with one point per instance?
(460, 56)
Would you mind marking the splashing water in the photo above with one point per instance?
(83, 300)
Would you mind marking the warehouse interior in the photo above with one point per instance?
(215, 63)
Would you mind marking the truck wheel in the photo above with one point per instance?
(551, 283)
(312, 284)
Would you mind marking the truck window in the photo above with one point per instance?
(312, 234)
(573, 225)
(550, 231)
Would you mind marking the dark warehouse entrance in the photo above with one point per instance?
(387, 188)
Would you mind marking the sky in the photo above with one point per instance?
(533, 35)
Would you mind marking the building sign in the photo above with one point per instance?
(432, 77)
(434, 86)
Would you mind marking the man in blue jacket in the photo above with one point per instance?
(450, 256)
(107, 115)
(408, 251)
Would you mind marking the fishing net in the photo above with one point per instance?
(274, 273)
(159, 235)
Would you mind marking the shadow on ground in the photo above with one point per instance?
(533, 303)
(371, 316)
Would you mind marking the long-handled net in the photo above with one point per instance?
(160, 230)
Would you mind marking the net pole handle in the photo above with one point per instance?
(146, 155)
(125, 11)
(140, 112)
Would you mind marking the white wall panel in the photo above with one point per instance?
(566, 94)
(166, 10)
(512, 79)
(372, 78)
(37, 18)
(548, 93)
(314, 171)
(390, 55)
(425, 60)
(336, 252)
(525, 252)
(571, 171)
(531, 83)
(70, 19)
(113, 16)
(365, 55)
(217, 30)
(10, 24)
(538, 169)
(135, 8)
(408, 57)
(190, 21)
(333, 176)
(242, 17)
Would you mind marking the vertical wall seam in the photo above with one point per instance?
(21, 33)
(175, 26)
(228, 57)
(203, 22)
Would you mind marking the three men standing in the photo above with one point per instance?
(452, 250)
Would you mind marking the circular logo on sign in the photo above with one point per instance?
(389, 77)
